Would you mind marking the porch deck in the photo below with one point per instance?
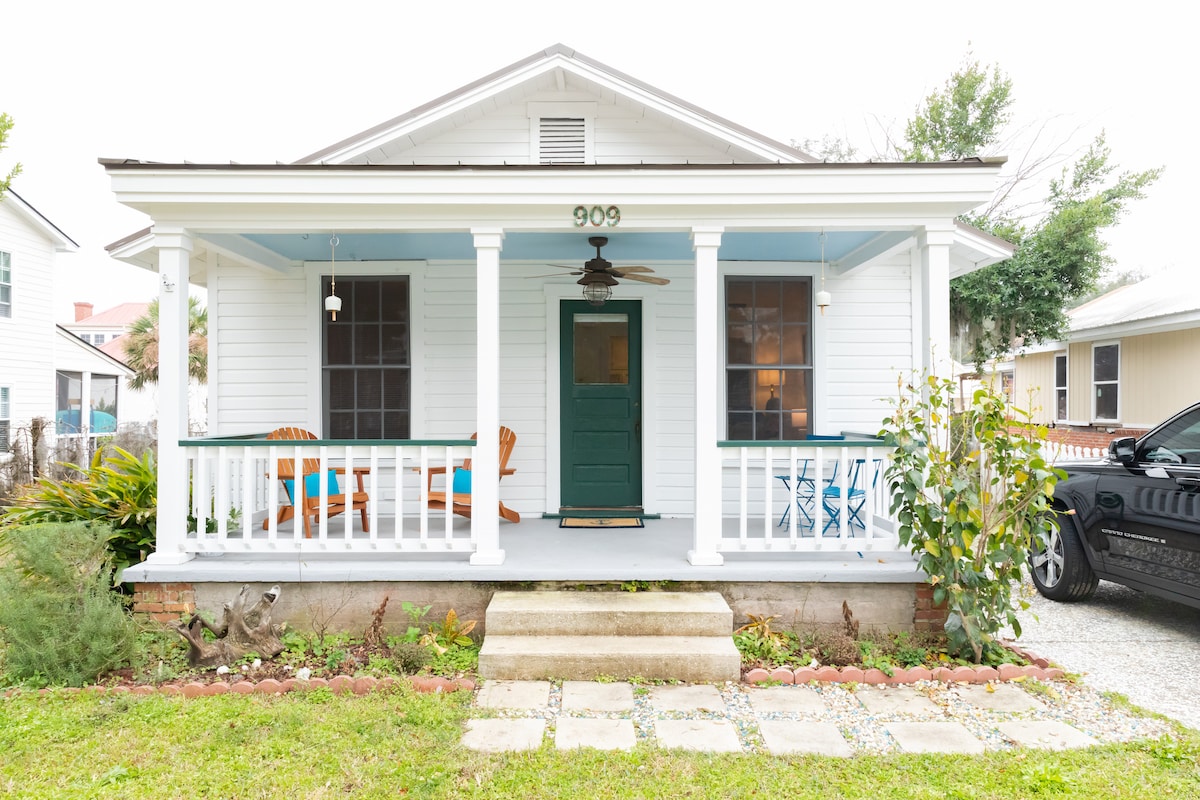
(538, 550)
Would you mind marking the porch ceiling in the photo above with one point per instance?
(565, 246)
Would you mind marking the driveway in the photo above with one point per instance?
(1124, 641)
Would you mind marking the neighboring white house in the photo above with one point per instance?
(778, 297)
(1126, 365)
(85, 377)
(29, 244)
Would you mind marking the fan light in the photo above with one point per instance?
(596, 293)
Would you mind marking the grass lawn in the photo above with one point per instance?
(401, 744)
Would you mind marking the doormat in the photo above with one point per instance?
(600, 522)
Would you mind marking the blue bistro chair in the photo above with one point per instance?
(806, 486)
(856, 494)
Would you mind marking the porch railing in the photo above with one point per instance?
(812, 495)
(236, 495)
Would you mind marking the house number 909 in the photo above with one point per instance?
(597, 216)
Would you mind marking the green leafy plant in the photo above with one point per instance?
(118, 489)
(455, 659)
(410, 657)
(416, 615)
(971, 495)
(449, 632)
(60, 623)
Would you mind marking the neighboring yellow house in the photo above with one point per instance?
(1128, 363)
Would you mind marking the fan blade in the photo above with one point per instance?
(645, 279)
(554, 275)
(564, 266)
(626, 270)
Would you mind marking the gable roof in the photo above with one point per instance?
(62, 242)
(553, 67)
(65, 337)
(119, 316)
(1172, 295)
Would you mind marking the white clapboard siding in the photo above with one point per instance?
(620, 135)
(27, 338)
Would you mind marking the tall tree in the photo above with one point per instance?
(6, 123)
(1059, 253)
(141, 345)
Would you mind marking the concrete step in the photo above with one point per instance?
(684, 658)
(609, 614)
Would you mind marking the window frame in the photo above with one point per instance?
(345, 286)
(1116, 382)
(809, 368)
(1063, 387)
(6, 282)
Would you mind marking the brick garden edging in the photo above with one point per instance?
(1039, 669)
(342, 684)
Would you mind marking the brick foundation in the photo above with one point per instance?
(927, 617)
(164, 602)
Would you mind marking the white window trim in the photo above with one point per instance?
(1095, 418)
(9, 284)
(819, 412)
(1066, 387)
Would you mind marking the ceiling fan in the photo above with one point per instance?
(599, 275)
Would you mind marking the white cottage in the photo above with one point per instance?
(663, 306)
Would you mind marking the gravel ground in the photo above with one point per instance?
(1125, 641)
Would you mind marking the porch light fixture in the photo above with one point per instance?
(597, 288)
(333, 303)
(824, 299)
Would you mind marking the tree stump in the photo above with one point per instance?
(242, 630)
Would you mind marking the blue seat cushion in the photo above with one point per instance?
(462, 481)
(312, 485)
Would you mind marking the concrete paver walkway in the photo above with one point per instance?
(829, 719)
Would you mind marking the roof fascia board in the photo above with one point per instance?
(91, 350)
(62, 242)
(1138, 327)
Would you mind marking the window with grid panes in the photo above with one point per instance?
(366, 360)
(5, 284)
(768, 358)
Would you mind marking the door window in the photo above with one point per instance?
(601, 349)
(1178, 442)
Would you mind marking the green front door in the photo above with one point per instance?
(601, 402)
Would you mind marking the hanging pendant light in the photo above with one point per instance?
(824, 299)
(333, 303)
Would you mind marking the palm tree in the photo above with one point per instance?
(141, 345)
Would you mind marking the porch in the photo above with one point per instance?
(780, 502)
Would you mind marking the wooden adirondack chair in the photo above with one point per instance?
(460, 502)
(299, 490)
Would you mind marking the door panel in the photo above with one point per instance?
(601, 404)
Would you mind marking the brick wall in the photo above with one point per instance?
(164, 602)
(1091, 436)
(927, 617)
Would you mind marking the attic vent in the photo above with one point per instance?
(561, 140)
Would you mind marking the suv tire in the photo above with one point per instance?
(1061, 571)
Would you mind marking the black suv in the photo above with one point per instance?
(1132, 518)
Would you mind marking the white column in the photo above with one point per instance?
(174, 267)
(935, 300)
(85, 404)
(706, 527)
(485, 467)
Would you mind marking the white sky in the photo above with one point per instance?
(265, 81)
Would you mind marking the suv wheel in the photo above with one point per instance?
(1061, 570)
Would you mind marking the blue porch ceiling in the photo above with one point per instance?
(563, 246)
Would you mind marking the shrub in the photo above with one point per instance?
(118, 489)
(410, 657)
(970, 495)
(60, 623)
